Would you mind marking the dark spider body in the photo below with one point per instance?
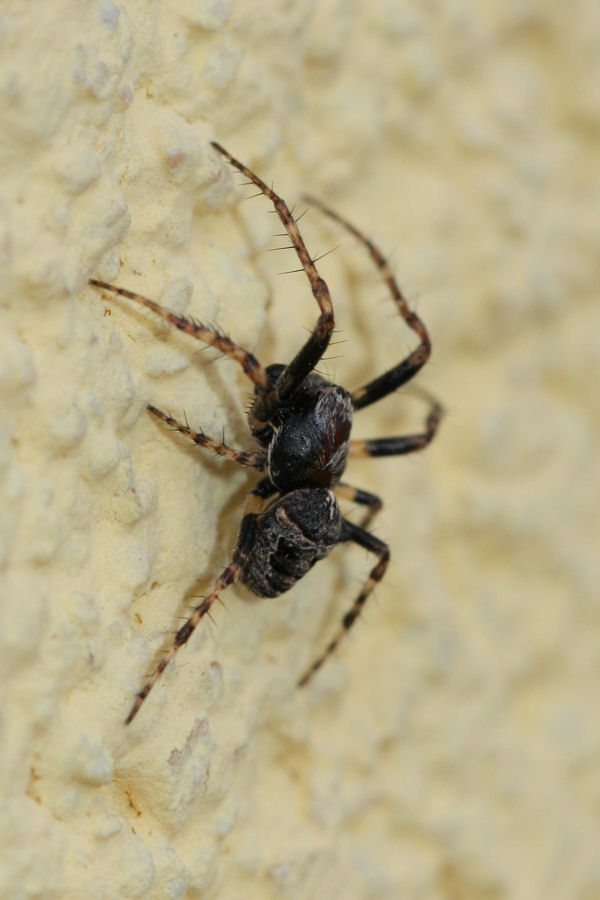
(307, 448)
(301, 425)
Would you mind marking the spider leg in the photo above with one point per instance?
(248, 458)
(406, 369)
(312, 351)
(351, 532)
(408, 443)
(357, 495)
(211, 336)
(229, 576)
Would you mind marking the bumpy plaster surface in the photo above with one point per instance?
(451, 750)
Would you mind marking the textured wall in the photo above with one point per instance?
(451, 748)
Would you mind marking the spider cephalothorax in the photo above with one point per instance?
(308, 437)
(301, 426)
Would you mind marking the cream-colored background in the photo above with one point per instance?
(451, 750)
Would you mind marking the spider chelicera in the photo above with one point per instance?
(301, 427)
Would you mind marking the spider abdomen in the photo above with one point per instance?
(293, 533)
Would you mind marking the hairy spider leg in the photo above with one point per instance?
(309, 355)
(248, 458)
(364, 498)
(408, 443)
(351, 532)
(211, 336)
(406, 369)
(229, 576)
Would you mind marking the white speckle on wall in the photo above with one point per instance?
(450, 748)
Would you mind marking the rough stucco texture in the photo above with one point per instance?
(451, 749)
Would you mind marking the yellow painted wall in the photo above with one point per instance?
(451, 749)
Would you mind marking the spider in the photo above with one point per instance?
(301, 424)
